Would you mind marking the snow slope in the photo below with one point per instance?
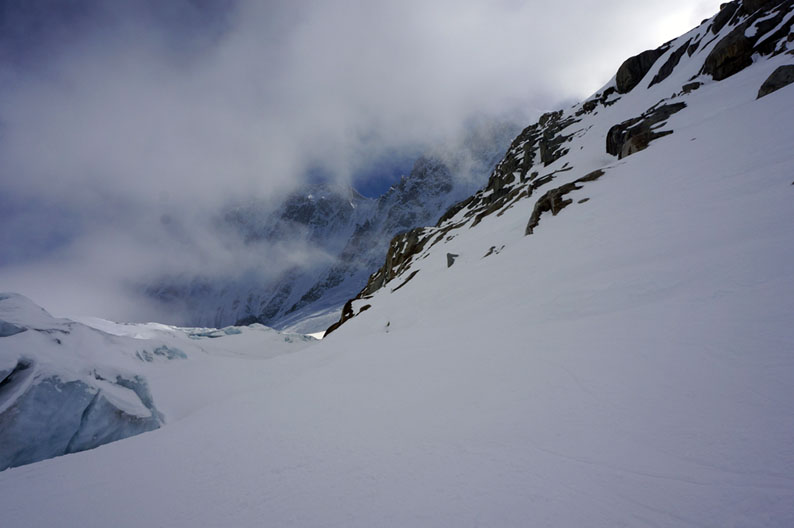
(629, 363)
(67, 387)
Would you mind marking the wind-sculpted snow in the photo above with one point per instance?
(67, 387)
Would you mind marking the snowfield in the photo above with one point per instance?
(630, 363)
(67, 386)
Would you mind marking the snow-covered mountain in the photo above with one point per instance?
(346, 233)
(602, 336)
(553, 160)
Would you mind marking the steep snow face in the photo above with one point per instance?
(568, 149)
(348, 235)
(627, 363)
(67, 387)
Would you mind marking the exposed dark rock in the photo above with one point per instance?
(551, 147)
(592, 176)
(455, 209)
(551, 201)
(731, 55)
(635, 68)
(751, 6)
(543, 139)
(401, 250)
(690, 87)
(589, 106)
(771, 31)
(734, 52)
(347, 313)
(722, 18)
(634, 135)
(783, 76)
(549, 116)
(494, 251)
(451, 259)
(670, 64)
(608, 92)
(554, 201)
(602, 99)
(403, 283)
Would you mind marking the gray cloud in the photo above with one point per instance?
(114, 114)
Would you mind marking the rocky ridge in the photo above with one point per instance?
(568, 148)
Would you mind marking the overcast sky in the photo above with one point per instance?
(117, 115)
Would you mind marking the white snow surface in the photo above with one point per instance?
(50, 369)
(631, 363)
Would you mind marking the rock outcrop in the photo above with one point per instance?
(634, 135)
(554, 200)
(545, 152)
(762, 31)
(632, 71)
(783, 76)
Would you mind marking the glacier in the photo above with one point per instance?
(67, 387)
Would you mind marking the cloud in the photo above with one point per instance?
(115, 114)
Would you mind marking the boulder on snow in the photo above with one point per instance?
(667, 68)
(731, 55)
(690, 87)
(783, 76)
(554, 200)
(635, 68)
(726, 12)
(634, 135)
(735, 51)
(451, 259)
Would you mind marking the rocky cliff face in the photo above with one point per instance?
(568, 148)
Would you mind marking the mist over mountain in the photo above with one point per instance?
(125, 127)
(323, 240)
(598, 333)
